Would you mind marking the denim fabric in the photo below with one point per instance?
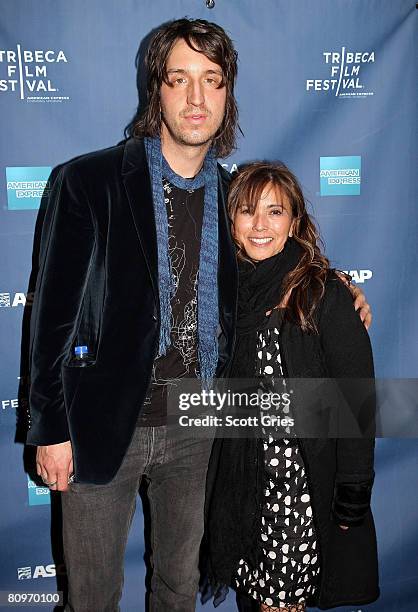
(97, 518)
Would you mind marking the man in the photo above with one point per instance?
(137, 264)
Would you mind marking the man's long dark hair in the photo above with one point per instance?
(203, 37)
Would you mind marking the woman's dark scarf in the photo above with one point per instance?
(241, 468)
(260, 290)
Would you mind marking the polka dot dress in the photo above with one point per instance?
(289, 567)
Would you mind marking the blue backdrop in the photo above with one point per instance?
(328, 87)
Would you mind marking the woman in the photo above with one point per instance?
(288, 519)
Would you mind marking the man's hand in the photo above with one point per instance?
(359, 301)
(54, 464)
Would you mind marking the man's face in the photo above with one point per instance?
(192, 106)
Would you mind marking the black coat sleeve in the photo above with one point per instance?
(348, 355)
(67, 244)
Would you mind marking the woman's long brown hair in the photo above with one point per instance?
(305, 285)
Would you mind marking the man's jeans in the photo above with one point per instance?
(97, 518)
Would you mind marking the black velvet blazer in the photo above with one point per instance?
(98, 286)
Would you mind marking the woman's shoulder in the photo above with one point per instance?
(337, 304)
(335, 289)
(343, 336)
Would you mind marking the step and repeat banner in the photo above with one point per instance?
(328, 87)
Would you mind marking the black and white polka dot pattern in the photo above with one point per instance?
(289, 565)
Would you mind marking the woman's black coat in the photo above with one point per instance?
(339, 471)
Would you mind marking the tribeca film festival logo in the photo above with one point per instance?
(344, 80)
(14, 404)
(26, 73)
(340, 175)
(26, 186)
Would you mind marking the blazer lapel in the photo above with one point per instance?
(228, 269)
(136, 178)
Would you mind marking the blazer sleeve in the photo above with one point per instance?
(349, 360)
(65, 254)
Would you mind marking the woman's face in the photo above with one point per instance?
(264, 233)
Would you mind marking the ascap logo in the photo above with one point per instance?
(26, 185)
(40, 571)
(27, 74)
(343, 78)
(24, 573)
(230, 167)
(12, 300)
(359, 276)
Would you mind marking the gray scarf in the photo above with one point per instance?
(207, 292)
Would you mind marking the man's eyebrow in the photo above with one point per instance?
(182, 71)
(212, 71)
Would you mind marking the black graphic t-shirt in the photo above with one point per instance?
(185, 219)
